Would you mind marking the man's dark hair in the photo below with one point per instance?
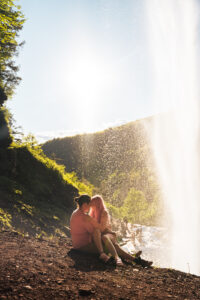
(82, 199)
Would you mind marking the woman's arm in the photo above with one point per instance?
(92, 222)
(105, 222)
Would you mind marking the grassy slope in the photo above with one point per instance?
(36, 195)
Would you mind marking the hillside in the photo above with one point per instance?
(36, 195)
(49, 269)
(119, 163)
(97, 155)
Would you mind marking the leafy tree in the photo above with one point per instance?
(17, 131)
(30, 140)
(5, 134)
(135, 206)
(11, 22)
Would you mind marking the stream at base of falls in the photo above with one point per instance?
(153, 241)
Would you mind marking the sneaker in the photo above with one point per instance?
(137, 254)
(142, 262)
(118, 261)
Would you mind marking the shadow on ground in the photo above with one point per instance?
(89, 262)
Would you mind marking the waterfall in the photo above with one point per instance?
(173, 44)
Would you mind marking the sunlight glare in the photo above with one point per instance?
(88, 79)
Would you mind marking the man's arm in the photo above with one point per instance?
(91, 223)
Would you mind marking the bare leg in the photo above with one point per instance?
(136, 258)
(111, 248)
(124, 254)
(96, 236)
(108, 243)
(98, 243)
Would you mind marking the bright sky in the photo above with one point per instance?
(85, 66)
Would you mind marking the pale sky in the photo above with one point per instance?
(85, 66)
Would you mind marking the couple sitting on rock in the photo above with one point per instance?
(91, 231)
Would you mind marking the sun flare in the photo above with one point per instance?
(89, 77)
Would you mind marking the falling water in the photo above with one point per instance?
(172, 31)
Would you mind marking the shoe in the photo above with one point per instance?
(137, 254)
(118, 261)
(142, 262)
(148, 264)
(138, 260)
(105, 258)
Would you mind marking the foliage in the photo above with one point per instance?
(5, 219)
(36, 194)
(80, 185)
(116, 161)
(136, 209)
(135, 206)
(11, 22)
(5, 132)
(71, 178)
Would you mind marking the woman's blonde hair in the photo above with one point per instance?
(98, 202)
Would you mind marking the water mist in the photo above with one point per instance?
(173, 41)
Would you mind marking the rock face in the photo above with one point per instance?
(50, 269)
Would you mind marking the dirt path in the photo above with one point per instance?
(39, 269)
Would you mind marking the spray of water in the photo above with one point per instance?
(172, 31)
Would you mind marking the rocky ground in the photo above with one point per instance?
(49, 269)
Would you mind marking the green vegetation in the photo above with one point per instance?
(11, 22)
(5, 219)
(136, 209)
(119, 163)
(36, 194)
(5, 131)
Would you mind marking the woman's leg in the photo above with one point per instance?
(121, 252)
(124, 254)
(111, 248)
(109, 245)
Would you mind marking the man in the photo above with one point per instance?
(85, 232)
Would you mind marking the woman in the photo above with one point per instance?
(101, 215)
(85, 232)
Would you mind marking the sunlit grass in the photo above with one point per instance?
(38, 202)
(5, 219)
